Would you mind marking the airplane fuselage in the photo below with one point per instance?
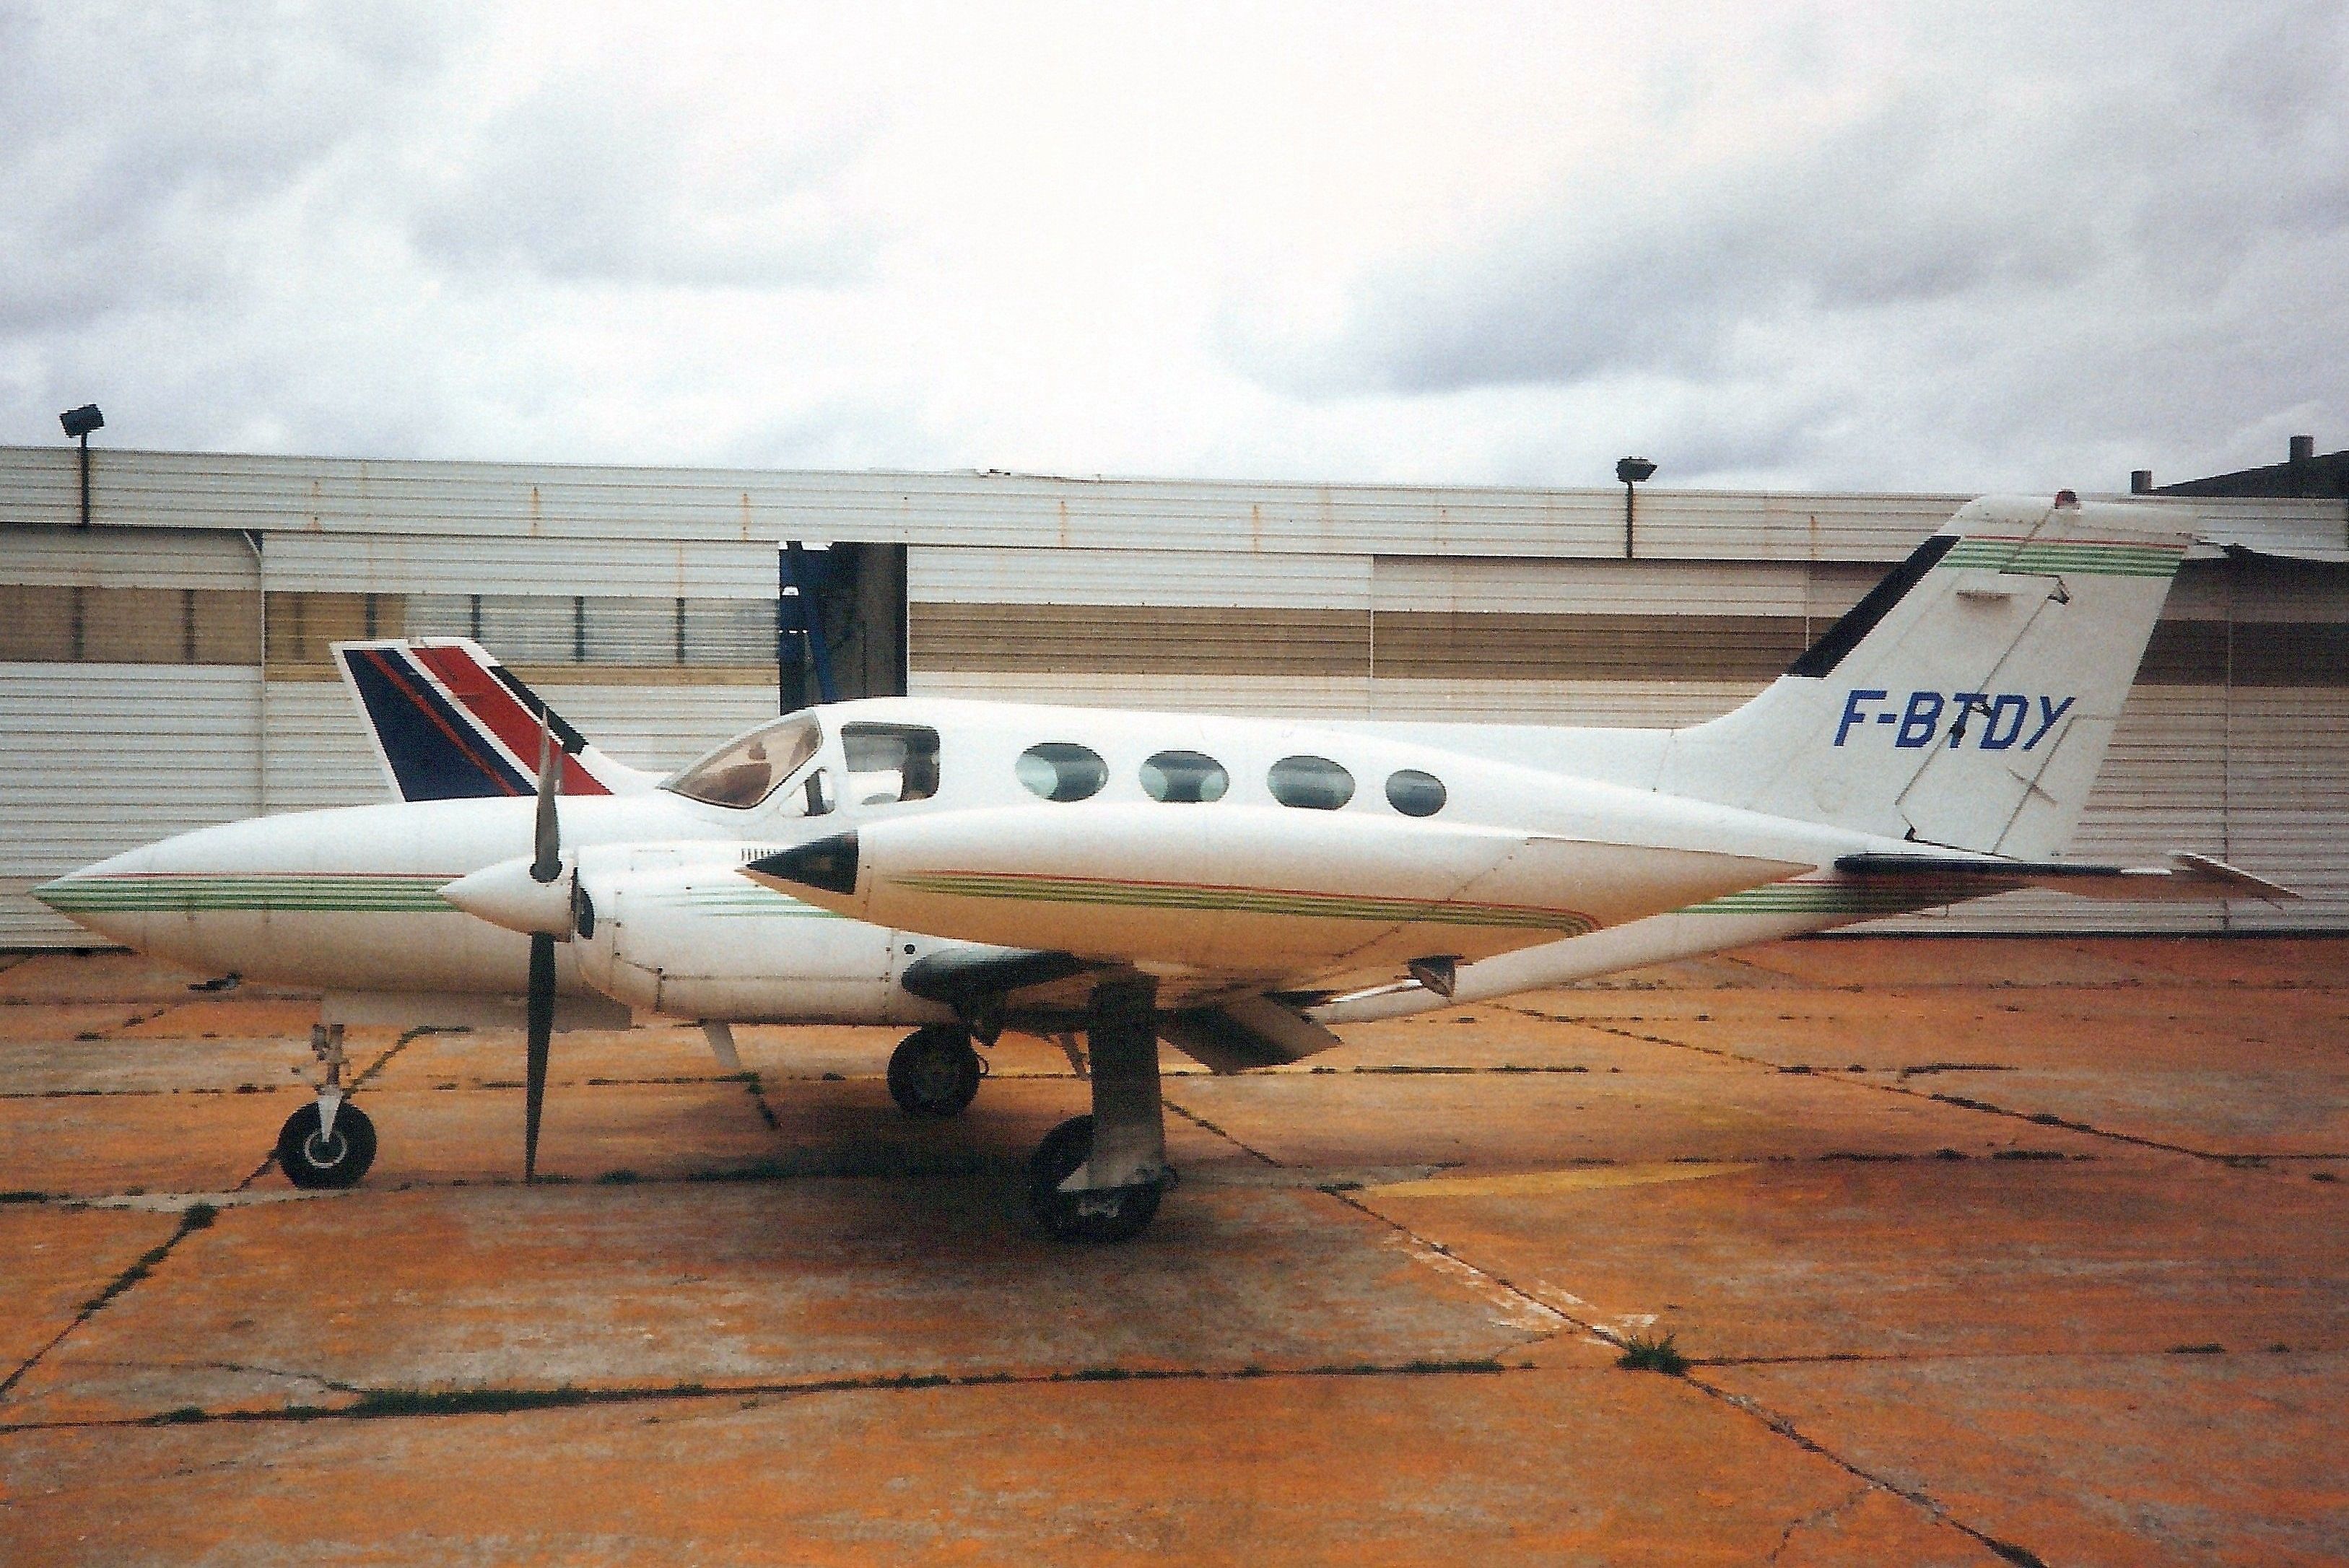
(1269, 849)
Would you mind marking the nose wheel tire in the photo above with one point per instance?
(935, 1072)
(1099, 1216)
(337, 1160)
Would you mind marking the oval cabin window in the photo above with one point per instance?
(1310, 784)
(1415, 794)
(1060, 770)
(1184, 778)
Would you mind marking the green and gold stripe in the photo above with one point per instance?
(750, 902)
(1844, 898)
(2076, 557)
(193, 893)
(1294, 903)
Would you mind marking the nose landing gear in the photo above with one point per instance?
(935, 1072)
(331, 1143)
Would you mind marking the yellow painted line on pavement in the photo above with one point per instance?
(1578, 1178)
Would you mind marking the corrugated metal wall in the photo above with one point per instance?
(641, 600)
(136, 700)
(96, 759)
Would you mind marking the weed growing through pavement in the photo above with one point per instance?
(1651, 1353)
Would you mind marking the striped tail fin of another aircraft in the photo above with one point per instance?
(449, 721)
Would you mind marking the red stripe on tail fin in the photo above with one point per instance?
(501, 713)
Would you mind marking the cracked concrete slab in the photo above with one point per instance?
(749, 1282)
(1398, 1367)
(1923, 1257)
(1542, 1119)
(84, 1145)
(2223, 1073)
(57, 1259)
(2232, 1458)
(1514, 1466)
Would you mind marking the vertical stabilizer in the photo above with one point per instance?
(448, 722)
(1969, 698)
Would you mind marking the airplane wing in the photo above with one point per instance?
(2187, 877)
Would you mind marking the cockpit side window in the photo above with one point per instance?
(747, 769)
(890, 763)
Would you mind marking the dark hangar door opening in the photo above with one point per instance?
(839, 623)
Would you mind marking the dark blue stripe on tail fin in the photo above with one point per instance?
(434, 752)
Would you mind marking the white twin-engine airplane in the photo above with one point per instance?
(1233, 886)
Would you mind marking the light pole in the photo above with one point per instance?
(80, 423)
(1631, 470)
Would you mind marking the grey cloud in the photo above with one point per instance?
(588, 180)
(1896, 213)
(2124, 243)
(132, 137)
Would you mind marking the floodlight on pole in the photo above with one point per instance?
(78, 423)
(1631, 470)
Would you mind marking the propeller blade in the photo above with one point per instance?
(546, 868)
(542, 1030)
(549, 834)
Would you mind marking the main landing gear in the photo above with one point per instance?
(331, 1143)
(1099, 1178)
(935, 1072)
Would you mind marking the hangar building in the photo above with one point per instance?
(163, 660)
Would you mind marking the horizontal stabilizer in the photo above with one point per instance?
(2187, 878)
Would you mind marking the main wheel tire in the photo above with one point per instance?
(935, 1072)
(1098, 1216)
(338, 1159)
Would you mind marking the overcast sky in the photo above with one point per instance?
(1941, 246)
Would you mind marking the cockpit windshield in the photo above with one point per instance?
(746, 771)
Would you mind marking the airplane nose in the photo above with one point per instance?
(507, 894)
(829, 863)
(114, 897)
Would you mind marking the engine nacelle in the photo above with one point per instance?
(677, 929)
(1246, 889)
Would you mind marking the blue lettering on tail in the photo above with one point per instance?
(1851, 713)
(2048, 713)
(2008, 711)
(1921, 720)
(1969, 704)
(2002, 716)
